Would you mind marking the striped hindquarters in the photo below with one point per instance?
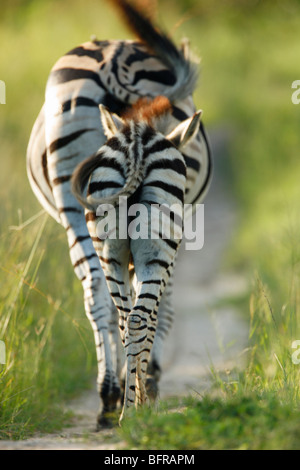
(114, 73)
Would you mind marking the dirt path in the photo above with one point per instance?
(203, 332)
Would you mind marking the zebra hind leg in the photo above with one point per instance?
(99, 312)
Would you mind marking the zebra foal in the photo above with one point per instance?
(145, 145)
(149, 169)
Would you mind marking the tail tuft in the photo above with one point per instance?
(162, 46)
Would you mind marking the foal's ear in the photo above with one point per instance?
(185, 131)
(111, 122)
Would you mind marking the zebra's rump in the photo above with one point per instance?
(68, 128)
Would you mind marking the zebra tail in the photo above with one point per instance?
(185, 71)
(83, 172)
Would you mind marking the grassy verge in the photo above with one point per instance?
(237, 423)
(256, 408)
(48, 346)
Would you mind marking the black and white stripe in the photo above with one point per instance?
(68, 131)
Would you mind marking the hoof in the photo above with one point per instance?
(107, 417)
(106, 420)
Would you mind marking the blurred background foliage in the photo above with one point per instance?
(249, 53)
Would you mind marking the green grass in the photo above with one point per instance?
(49, 351)
(250, 55)
(237, 423)
(250, 408)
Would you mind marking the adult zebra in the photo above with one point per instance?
(115, 74)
